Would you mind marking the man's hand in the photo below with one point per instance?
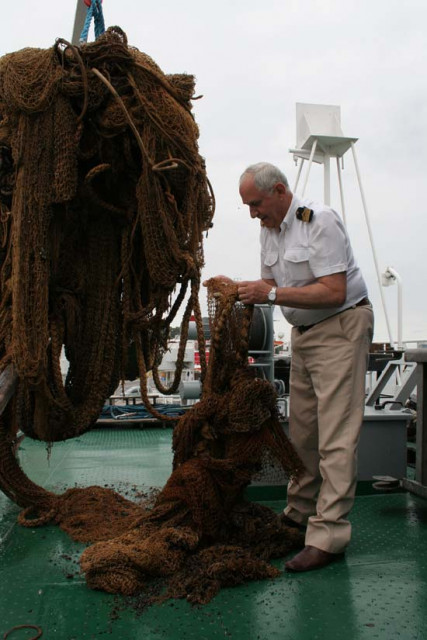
(254, 291)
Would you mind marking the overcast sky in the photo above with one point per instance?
(253, 62)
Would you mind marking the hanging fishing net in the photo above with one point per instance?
(104, 200)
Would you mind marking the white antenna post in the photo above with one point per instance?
(320, 138)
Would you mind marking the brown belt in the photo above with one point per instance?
(305, 327)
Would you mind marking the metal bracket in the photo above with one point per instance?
(408, 374)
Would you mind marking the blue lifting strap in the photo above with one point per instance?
(94, 11)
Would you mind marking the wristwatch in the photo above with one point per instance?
(272, 295)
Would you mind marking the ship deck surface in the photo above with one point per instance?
(377, 592)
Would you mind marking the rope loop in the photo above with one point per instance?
(94, 11)
(25, 626)
(44, 517)
(166, 165)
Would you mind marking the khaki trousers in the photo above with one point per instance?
(327, 395)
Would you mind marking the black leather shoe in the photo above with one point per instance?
(311, 558)
(291, 523)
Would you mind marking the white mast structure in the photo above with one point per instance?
(320, 138)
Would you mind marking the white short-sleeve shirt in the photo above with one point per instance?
(300, 252)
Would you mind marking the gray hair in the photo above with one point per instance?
(266, 176)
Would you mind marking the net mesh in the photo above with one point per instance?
(104, 199)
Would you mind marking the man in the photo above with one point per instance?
(308, 268)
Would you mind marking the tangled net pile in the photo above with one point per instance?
(104, 199)
(201, 534)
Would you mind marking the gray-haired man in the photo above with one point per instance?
(308, 268)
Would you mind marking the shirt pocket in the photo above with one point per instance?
(296, 264)
(271, 258)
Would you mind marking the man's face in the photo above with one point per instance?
(269, 208)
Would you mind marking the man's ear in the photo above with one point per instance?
(280, 188)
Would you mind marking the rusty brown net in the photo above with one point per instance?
(201, 533)
(104, 200)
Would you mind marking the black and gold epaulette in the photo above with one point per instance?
(304, 214)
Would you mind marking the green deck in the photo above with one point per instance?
(378, 592)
